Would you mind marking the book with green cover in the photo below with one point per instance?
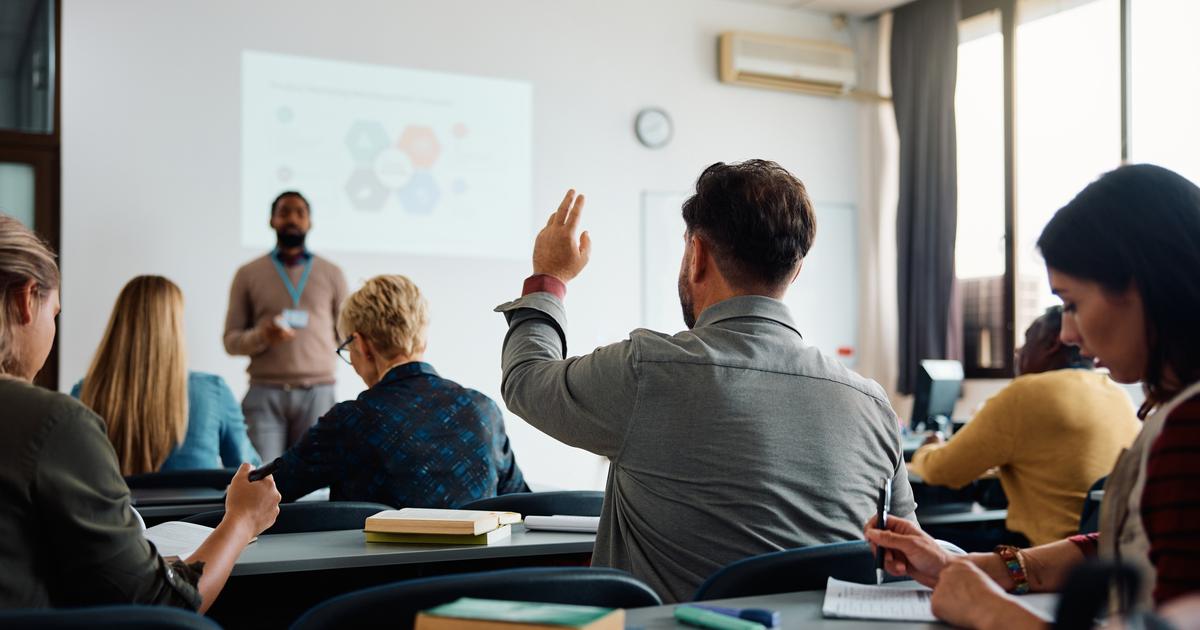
(471, 613)
(487, 538)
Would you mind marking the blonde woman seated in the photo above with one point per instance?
(160, 416)
(413, 438)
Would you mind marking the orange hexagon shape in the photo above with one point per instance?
(421, 145)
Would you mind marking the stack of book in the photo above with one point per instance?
(440, 527)
(485, 614)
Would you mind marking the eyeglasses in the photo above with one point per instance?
(343, 351)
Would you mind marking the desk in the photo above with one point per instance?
(803, 610)
(347, 549)
(973, 514)
(155, 514)
(145, 497)
(281, 576)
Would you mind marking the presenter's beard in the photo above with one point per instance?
(685, 301)
(288, 239)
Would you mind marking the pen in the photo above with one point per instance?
(768, 618)
(885, 500)
(701, 618)
(258, 474)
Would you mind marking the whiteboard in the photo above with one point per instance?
(823, 301)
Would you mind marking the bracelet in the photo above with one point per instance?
(1015, 563)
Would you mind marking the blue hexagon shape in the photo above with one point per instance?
(421, 195)
(366, 140)
(365, 191)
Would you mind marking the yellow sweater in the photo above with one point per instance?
(1052, 434)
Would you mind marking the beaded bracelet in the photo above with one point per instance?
(1016, 567)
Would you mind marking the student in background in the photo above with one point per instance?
(282, 314)
(413, 438)
(729, 439)
(1053, 431)
(1124, 256)
(68, 535)
(160, 416)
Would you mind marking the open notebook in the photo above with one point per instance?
(868, 601)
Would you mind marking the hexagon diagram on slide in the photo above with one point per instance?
(421, 145)
(365, 191)
(421, 194)
(366, 140)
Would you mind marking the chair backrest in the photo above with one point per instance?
(804, 569)
(308, 516)
(567, 502)
(396, 605)
(137, 617)
(1089, 518)
(216, 478)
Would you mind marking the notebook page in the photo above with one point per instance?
(175, 538)
(867, 601)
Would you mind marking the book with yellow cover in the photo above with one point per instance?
(437, 521)
(494, 614)
(500, 533)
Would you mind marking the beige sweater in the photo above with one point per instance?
(259, 294)
(1052, 434)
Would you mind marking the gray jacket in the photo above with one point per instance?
(733, 439)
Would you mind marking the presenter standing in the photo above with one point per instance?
(283, 310)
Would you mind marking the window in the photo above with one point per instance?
(1165, 127)
(1039, 115)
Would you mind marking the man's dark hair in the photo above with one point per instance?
(756, 217)
(1139, 226)
(290, 193)
(1046, 330)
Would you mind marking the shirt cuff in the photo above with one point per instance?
(1088, 544)
(545, 283)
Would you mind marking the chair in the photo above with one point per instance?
(1085, 593)
(567, 502)
(396, 605)
(132, 616)
(1089, 518)
(216, 478)
(296, 518)
(804, 569)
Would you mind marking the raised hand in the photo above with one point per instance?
(556, 251)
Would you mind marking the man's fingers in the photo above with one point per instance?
(585, 245)
(550, 219)
(890, 540)
(576, 210)
(560, 216)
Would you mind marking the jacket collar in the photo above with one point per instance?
(407, 370)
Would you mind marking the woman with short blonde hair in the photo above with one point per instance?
(67, 534)
(412, 438)
(160, 416)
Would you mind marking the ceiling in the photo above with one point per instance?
(14, 25)
(860, 8)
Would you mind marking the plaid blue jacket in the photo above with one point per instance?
(415, 439)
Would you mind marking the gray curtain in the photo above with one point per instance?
(924, 68)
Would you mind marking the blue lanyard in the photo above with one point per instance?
(293, 290)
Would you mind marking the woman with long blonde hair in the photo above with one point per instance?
(68, 536)
(160, 416)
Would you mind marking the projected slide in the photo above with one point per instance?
(392, 160)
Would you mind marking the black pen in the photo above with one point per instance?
(258, 474)
(885, 500)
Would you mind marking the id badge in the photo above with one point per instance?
(295, 318)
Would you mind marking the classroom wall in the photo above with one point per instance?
(150, 121)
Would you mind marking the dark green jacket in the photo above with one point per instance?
(68, 535)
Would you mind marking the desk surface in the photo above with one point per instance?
(952, 515)
(318, 551)
(803, 610)
(143, 497)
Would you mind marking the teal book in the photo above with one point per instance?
(489, 614)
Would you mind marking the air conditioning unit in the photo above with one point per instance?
(787, 63)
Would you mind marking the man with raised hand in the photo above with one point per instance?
(729, 439)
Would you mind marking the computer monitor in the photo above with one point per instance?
(939, 384)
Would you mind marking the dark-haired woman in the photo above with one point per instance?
(1124, 256)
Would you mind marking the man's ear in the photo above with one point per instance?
(701, 259)
(27, 303)
(796, 273)
(365, 348)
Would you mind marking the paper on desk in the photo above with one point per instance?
(561, 523)
(175, 538)
(867, 601)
